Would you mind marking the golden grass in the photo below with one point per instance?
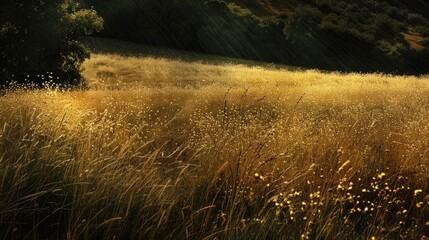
(166, 149)
(115, 72)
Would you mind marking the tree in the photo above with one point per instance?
(39, 40)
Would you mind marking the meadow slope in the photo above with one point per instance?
(159, 148)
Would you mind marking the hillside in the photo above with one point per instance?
(267, 8)
(276, 8)
(281, 7)
(362, 36)
(178, 146)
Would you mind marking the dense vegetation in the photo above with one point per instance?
(347, 35)
(38, 40)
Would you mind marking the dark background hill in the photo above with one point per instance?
(278, 7)
(364, 35)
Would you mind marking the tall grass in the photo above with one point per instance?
(163, 149)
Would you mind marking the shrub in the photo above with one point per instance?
(387, 26)
(422, 30)
(417, 19)
(397, 13)
(303, 23)
(38, 41)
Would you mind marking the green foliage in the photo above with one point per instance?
(303, 24)
(38, 40)
(422, 30)
(215, 27)
(417, 19)
(240, 11)
(397, 13)
(336, 35)
(391, 50)
(354, 36)
(85, 21)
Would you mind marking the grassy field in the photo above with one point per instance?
(159, 147)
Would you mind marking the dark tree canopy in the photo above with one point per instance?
(38, 40)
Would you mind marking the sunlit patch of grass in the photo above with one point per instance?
(177, 150)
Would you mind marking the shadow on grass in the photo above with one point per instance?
(130, 49)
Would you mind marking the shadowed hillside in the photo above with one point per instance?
(267, 8)
(363, 36)
(279, 7)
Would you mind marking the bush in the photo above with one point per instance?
(38, 41)
(385, 26)
(422, 30)
(397, 13)
(417, 19)
(303, 24)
